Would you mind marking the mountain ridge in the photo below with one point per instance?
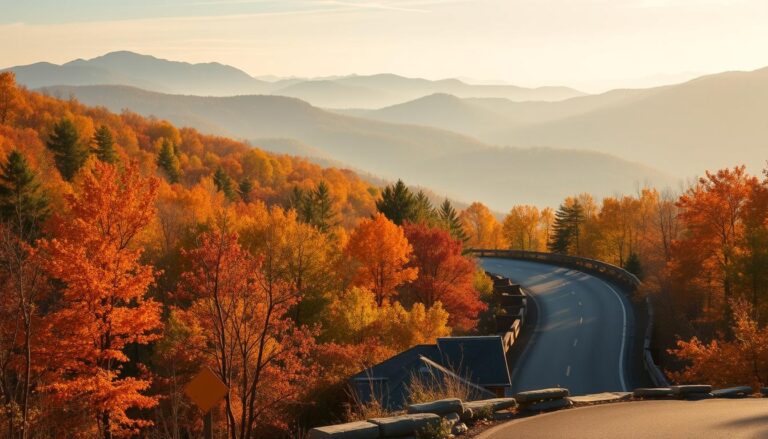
(216, 79)
(423, 156)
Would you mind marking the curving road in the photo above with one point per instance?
(714, 418)
(580, 341)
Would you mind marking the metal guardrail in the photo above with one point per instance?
(614, 273)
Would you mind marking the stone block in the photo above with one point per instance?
(733, 392)
(496, 404)
(547, 405)
(350, 430)
(439, 407)
(652, 392)
(691, 388)
(404, 425)
(541, 395)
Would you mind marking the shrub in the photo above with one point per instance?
(440, 430)
(485, 412)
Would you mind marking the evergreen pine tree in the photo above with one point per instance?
(322, 207)
(397, 203)
(565, 229)
(23, 204)
(105, 145)
(633, 265)
(424, 212)
(449, 220)
(224, 184)
(245, 188)
(298, 201)
(168, 162)
(68, 153)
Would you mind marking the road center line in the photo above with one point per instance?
(575, 341)
(581, 320)
(568, 371)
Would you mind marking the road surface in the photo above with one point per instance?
(580, 340)
(713, 418)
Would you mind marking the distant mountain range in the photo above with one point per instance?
(708, 123)
(456, 165)
(214, 79)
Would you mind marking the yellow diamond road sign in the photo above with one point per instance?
(206, 389)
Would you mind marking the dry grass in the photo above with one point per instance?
(359, 410)
(427, 387)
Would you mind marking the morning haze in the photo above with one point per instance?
(382, 219)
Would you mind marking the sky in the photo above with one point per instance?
(589, 44)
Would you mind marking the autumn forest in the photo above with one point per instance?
(134, 252)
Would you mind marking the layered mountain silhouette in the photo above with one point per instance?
(147, 72)
(457, 165)
(214, 79)
(684, 129)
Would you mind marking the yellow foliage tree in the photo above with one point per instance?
(522, 228)
(354, 317)
(482, 228)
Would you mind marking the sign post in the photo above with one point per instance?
(206, 390)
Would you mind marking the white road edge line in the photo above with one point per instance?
(623, 335)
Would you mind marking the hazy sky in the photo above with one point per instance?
(591, 44)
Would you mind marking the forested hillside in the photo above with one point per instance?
(421, 155)
(133, 253)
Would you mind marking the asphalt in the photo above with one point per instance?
(581, 337)
(713, 418)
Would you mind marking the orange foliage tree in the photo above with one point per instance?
(247, 337)
(712, 213)
(103, 300)
(445, 275)
(10, 99)
(722, 362)
(380, 251)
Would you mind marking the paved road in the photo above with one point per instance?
(580, 340)
(713, 418)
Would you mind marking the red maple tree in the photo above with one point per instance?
(445, 275)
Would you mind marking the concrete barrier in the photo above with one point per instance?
(733, 392)
(541, 395)
(600, 398)
(654, 372)
(404, 425)
(546, 406)
(420, 416)
(350, 430)
(496, 404)
(653, 392)
(688, 389)
(440, 407)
